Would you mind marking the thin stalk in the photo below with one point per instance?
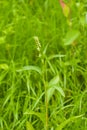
(45, 87)
(46, 105)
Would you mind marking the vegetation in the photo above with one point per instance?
(43, 65)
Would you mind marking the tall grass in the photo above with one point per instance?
(43, 65)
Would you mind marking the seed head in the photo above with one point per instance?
(38, 45)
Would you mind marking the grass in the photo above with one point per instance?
(43, 65)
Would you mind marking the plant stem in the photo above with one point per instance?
(45, 87)
(46, 104)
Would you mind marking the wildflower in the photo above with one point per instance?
(38, 45)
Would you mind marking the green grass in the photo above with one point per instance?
(43, 65)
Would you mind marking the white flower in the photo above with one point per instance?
(38, 45)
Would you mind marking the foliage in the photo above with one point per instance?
(43, 65)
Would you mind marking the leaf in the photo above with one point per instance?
(65, 8)
(71, 36)
(4, 66)
(52, 86)
(45, 49)
(86, 18)
(83, 20)
(50, 93)
(41, 116)
(29, 126)
(60, 90)
(55, 56)
(50, 65)
(37, 101)
(66, 11)
(54, 81)
(30, 68)
(62, 125)
(2, 76)
(2, 40)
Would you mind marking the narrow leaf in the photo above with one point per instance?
(60, 90)
(66, 11)
(2, 40)
(4, 66)
(54, 81)
(30, 68)
(55, 56)
(41, 116)
(51, 67)
(50, 93)
(29, 126)
(71, 36)
(62, 125)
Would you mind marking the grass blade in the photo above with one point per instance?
(29, 126)
(62, 125)
(41, 116)
(30, 68)
(71, 36)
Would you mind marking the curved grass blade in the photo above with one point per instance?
(71, 36)
(54, 81)
(60, 90)
(51, 91)
(62, 125)
(41, 116)
(4, 67)
(53, 85)
(30, 68)
(29, 126)
(55, 56)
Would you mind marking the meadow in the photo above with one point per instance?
(43, 65)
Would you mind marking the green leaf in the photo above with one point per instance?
(45, 49)
(4, 66)
(52, 86)
(54, 81)
(83, 20)
(2, 40)
(41, 116)
(2, 76)
(29, 126)
(60, 90)
(30, 68)
(55, 56)
(50, 65)
(66, 11)
(50, 93)
(62, 125)
(71, 36)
